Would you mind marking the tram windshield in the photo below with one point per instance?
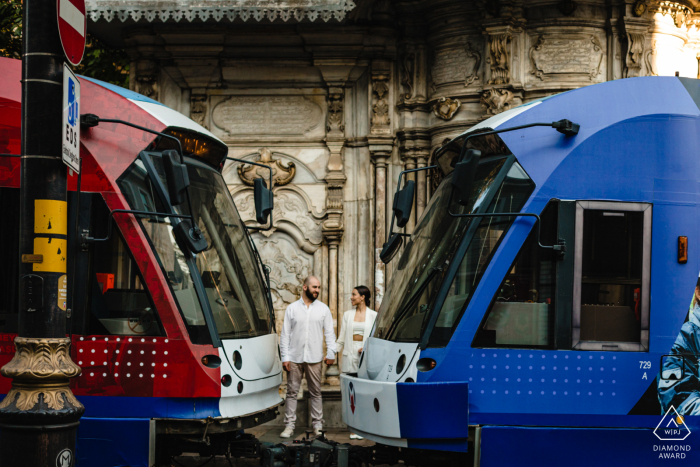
(228, 269)
(434, 245)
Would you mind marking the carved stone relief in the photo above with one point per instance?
(408, 63)
(267, 115)
(198, 108)
(336, 112)
(456, 64)
(288, 264)
(445, 108)
(146, 81)
(496, 101)
(579, 56)
(281, 174)
(498, 58)
(635, 53)
(650, 60)
(292, 213)
(380, 104)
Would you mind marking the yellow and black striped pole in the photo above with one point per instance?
(39, 416)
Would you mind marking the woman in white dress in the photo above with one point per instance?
(355, 329)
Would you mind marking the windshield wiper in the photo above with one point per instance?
(399, 316)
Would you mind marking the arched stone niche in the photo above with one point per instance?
(292, 249)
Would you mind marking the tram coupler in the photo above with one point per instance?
(310, 452)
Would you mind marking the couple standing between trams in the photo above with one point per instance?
(306, 322)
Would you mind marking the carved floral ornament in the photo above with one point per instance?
(498, 58)
(41, 367)
(446, 108)
(681, 14)
(281, 174)
(152, 10)
(496, 101)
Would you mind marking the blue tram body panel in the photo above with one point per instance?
(639, 142)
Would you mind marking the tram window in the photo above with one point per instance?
(9, 272)
(611, 276)
(119, 303)
(522, 311)
(510, 197)
(138, 190)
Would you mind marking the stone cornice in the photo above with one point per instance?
(217, 10)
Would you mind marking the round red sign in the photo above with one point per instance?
(72, 27)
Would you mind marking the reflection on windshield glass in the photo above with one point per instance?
(231, 278)
(404, 309)
(138, 190)
(510, 197)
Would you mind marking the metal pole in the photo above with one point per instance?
(39, 416)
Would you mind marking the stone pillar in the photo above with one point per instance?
(333, 239)
(333, 225)
(381, 145)
(421, 191)
(380, 151)
(410, 164)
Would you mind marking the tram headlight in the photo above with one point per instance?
(211, 361)
(226, 380)
(425, 364)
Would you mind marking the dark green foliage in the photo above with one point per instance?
(11, 28)
(100, 62)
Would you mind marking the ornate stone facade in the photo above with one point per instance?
(339, 96)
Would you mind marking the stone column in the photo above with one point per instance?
(410, 164)
(380, 151)
(421, 191)
(333, 225)
(333, 239)
(381, 144)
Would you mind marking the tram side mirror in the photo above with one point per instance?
(403, 203)
(176, 176)
(264, 201)
(189, 237)
(390, 248)
(463, 176)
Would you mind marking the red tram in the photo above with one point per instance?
(177, 349)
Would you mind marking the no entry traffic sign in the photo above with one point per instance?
(72, 27)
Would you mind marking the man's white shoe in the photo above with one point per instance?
(317, 431)
(287, 433)
(354, 436)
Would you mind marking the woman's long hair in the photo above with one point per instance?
(364, 291)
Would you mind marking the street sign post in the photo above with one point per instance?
(72, 27)
(70, 149)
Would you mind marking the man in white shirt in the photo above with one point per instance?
(306, 322)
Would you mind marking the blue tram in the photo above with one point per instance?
(541, 310)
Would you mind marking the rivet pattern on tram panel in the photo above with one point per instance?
(543, 380)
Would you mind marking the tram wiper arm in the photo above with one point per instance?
(560, 247)
(85, 238)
